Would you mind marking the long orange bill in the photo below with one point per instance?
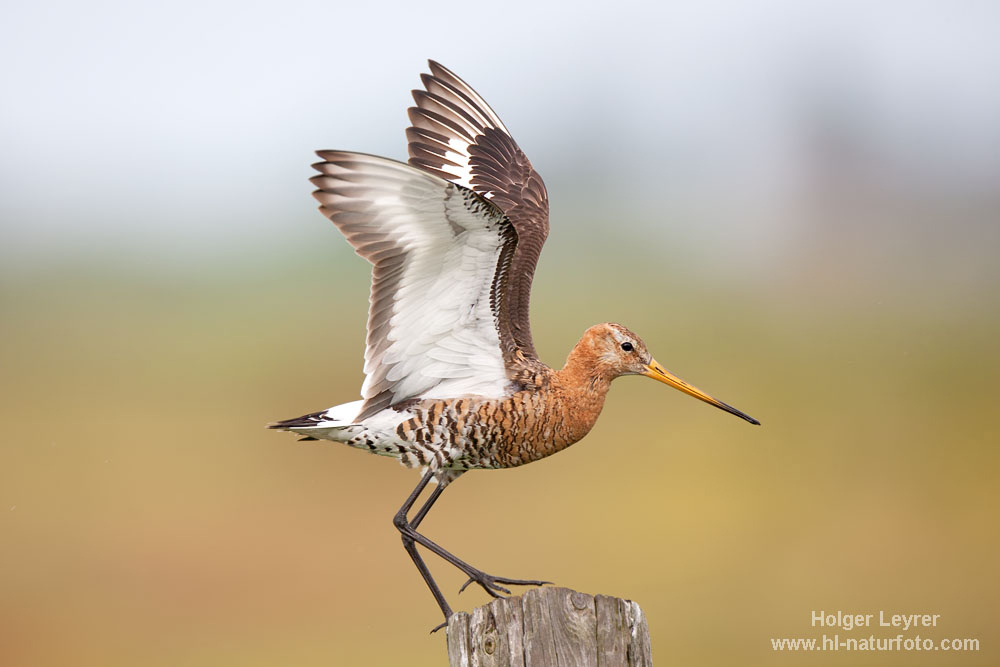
(661, 374)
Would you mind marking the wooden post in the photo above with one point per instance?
(550, 627)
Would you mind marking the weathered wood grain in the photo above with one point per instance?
(639, 649)
(612, 631)
(458, 640)
(551, 627)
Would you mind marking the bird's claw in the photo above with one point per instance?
(492, 585)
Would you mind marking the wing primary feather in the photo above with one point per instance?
(455, 135)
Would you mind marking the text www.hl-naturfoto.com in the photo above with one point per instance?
(873, 643)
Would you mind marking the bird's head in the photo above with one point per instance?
(615, 351)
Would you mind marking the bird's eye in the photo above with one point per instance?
(627, 346)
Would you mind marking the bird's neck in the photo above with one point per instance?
(583, 373)
(585, 385)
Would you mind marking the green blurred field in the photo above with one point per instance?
(148, 518)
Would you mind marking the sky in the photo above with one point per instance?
(168, 133)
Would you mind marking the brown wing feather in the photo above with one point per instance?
(457, 136)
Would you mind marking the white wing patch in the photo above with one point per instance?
(444, 340)
(435, 246)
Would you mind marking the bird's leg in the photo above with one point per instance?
(491, 584)
(422, 512)
(400, 519)
(419, 562)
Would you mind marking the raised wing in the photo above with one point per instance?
(457, 136)
(436, 248)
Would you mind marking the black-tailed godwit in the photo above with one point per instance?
(453, 382)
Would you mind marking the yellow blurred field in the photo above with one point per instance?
(148, 518)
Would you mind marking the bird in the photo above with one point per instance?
(453, 382)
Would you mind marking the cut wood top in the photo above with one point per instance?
(551, 627)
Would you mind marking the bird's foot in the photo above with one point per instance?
(492, 585)
(438, 627)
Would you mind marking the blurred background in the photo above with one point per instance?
(795, 204)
